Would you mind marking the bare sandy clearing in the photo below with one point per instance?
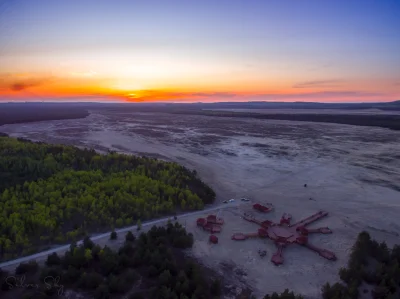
(351, 172)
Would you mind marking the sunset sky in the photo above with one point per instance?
(200, 50)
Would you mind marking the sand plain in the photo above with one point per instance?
(351, 172)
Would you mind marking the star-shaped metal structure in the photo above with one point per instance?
(285, 233)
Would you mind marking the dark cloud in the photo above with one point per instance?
(318, 83)
(27, 83)
(19, 82)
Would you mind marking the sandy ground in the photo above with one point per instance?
(351, 172)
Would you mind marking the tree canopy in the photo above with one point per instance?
(370, 264)
(54, 194)
(150, 267)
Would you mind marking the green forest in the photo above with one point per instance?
(55, 194)
(373, 271)
(149, 266)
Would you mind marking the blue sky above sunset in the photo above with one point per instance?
(170, 50)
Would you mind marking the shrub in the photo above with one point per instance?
(130, 237)
(30, 267)
(113, 235)
(53, 259)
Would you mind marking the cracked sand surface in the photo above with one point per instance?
(351, 172)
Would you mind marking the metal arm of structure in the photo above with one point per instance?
(261, 233)
(277, 257)
(321, 230)
(310, 219)
(251, 218)
(329, 255)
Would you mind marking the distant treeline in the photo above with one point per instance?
(23, 113)
(384, 121)
(387, 106)
(54, 194)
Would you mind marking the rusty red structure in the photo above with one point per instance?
(212, 228)
(262, 208)
(285, 233)
(201, 222)
(213, 239)
(211, 224)
(214, 220)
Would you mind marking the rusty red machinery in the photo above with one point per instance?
(261, 233)
(213, 239)
(201, 222)
(263, 208)
(285, 233)
(211, 224)
(214, 220)
(212, 228)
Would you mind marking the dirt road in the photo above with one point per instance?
(40, 256)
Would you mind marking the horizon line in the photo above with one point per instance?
(182, 102)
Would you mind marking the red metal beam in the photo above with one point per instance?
(310, 219)
(277, 257)
(321, 230)
(322, 252)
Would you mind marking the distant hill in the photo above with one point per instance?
(395, 105)
(11, 113)
(298, 105)
(31, 112)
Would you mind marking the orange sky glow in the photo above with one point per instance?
(192, 51)
(89, 84)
